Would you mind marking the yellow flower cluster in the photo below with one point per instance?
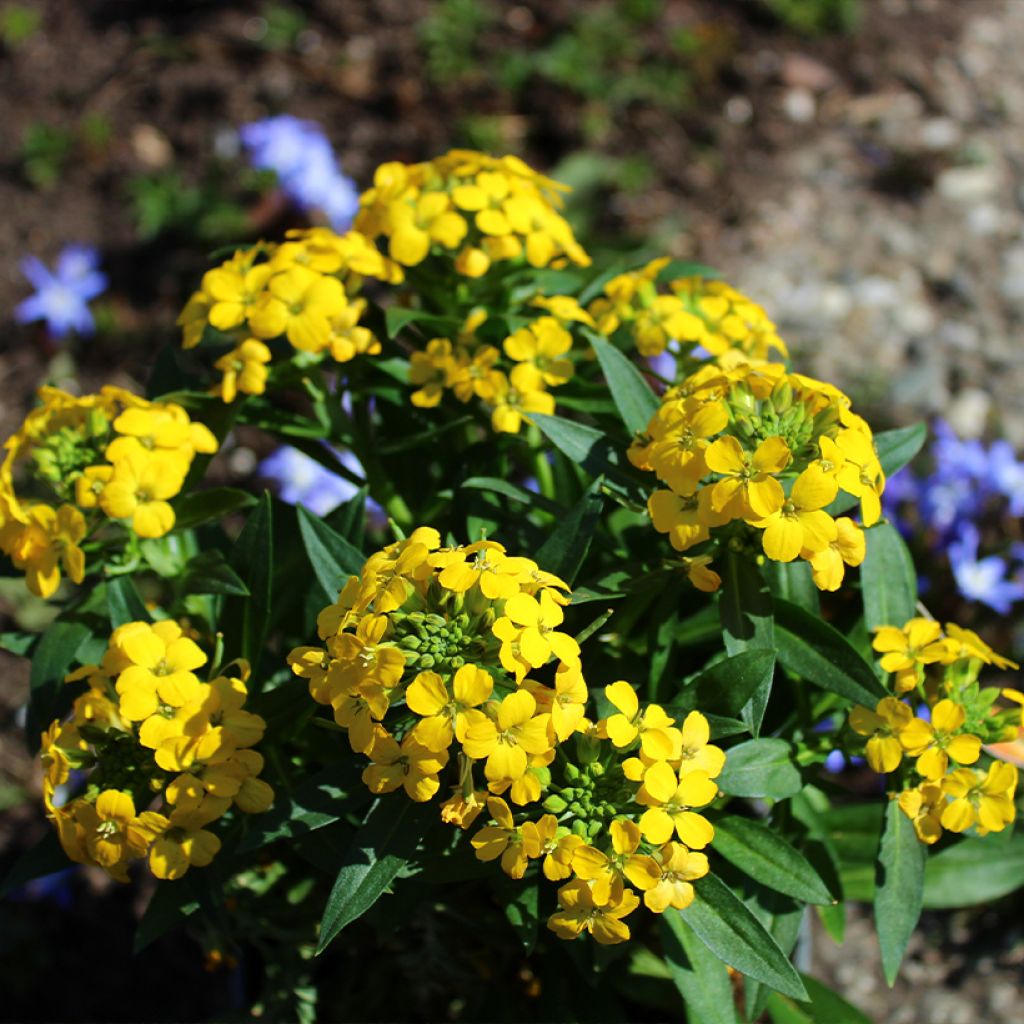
(536, 357)
(946, 740)
(167, 755)
(444, 638)
(757, 445)
(627, 816)
(429, 658)
(110, 455)
(692, 311)
(476, 208)
(304, 290)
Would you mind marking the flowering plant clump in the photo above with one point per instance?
(530, 717)
(147, 728)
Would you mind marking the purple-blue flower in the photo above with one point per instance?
(983, 580)
(62, 295)
(1006, 472)
(299, 154)
(304, 481)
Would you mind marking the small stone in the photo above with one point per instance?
(940, 133)
(151, 146)
(968, 412)
(968, 184)
(799, 105)
(738, 110)
(802, 72)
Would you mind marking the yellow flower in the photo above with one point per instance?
(139, 489)
(697, 752)
(411, 765)
(677, 868)
(516, 396)
(848, 548)
(801, 523)
(514, 845)
(49, 539)
(884, 726)
(415, 225)
(605, 871)
(232, 289)
(506, 741)
(923, 806)
(447, 715)
(430, 371)
(905, 650)
(114, 834)
(485, 564)
(670, 800)
(985, 800)
(747, 489)
(179, 849)
(652, 726)
(462, 810)
(160, 670)
(299, 304)
(580, 912)
(528, 633)
(934, 743)
(541, 344)
(861, 473)
(244, 369)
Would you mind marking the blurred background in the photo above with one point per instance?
(854, 165)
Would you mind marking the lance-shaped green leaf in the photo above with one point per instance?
(793, 582)
(761, 768)
(731, 931)
(587, 447)
(53, 657)
(563, 552)
(899, 888)
(210, 506)
(124, 603)
(209, 573)
(888, 579)
(974, 871)
(747, 614)
(380, 849)
(702, 979)
(823, 1006)
(725, 687)
(895, 449)
(781, 917)
(398, 317)
(633, 396)
(332, 557)
(761, 853)
(252, 558)
(814, 651)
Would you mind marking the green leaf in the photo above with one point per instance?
(888, 578)
(899, 888)
(380, 849)
(521, 899)
(563, 552)
(54, 655)
(171, 904)
(633, 396)
(208, 506)
(765, 856)
(332, 557)
(746, 610)
(587, 447)
(793, 582)
(702, 979)
(209, 573)
(397, 317)
(44, 858)
(313, 804)
(507, 490)
(727, 686)
(823, 1007)
(17, 643)
(819, 654)
(252, 557)
(124, 602)
(732, 932)
(760, 768)
(973, 871)
(895, 449)
(781, 917)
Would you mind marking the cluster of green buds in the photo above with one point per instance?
(430, 640)
(591, 797)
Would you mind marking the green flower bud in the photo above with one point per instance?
(572, 773)
(579, 828)
(554, 803)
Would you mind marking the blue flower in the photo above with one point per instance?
(983, 580)
(1007, 475)
(300, 155)
(62, 296)
(304, 481)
